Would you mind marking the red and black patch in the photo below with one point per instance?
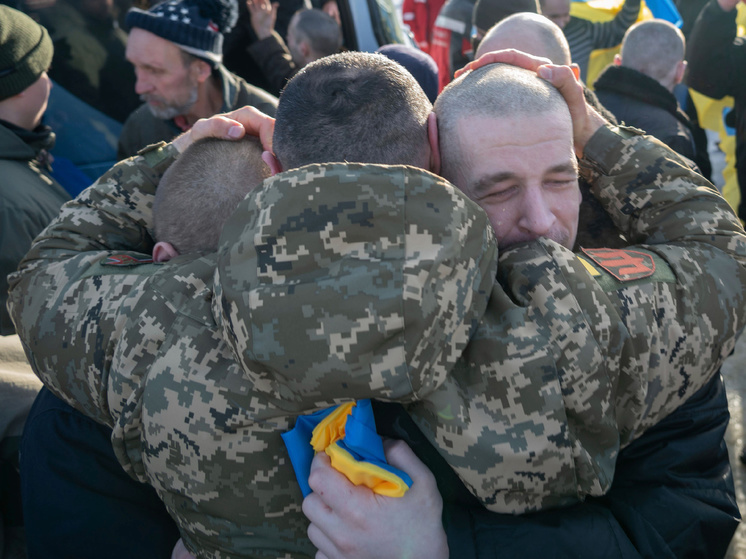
(624, 265)
(125, 260)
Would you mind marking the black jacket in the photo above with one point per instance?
(672, 496)
(717, 59)
(640, 101)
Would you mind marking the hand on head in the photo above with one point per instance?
(585, 119)
(230, 126)
(352, 521)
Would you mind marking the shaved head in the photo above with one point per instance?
(530, 33)
(493, 91)
(653, 47)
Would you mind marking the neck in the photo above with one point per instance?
(209, 101)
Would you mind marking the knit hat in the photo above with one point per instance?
(489, 12)
(25, 51)
(420, 65)
(195, 26)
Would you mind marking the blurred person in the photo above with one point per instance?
(488, 13)
(176, 49)
(420, 64)
(89, 55)
(420, 16)
(716, 58)
(312, 34)
(585, 36)
(237, 57)
(638, 87)
(451, 46)
(29, 199)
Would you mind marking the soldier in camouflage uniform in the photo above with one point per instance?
(198, 382)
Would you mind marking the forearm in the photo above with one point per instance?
(274, 60)
(610, 33)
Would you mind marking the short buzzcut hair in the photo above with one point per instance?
(492, 91)
(322, 31)
(202, 188)
(531, 33)
(355, 107)
(653, 47)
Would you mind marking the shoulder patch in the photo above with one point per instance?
(625, 265)
(125, 260)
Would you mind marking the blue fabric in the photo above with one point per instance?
(85, 136)
(665, 9)
(361, 441)
(69, 176)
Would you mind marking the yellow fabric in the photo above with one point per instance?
(589, 267)
(374, 477)
(331, 428)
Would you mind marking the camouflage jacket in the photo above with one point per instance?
(336, 282)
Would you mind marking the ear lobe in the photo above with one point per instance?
(163, 252)
(433, 140)
(274, 165)
(617, 60)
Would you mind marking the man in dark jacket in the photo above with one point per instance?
(176, 48)
(312, 34)
(638, 87)
(29, 199)
(716, 62)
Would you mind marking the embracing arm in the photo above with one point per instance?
(69, 309)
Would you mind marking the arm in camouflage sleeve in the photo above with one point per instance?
(69, 320)
(678, 216)
(567, 367)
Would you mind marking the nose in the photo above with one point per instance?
(537, 217)
(142, 85)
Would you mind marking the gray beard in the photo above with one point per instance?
(171, 111)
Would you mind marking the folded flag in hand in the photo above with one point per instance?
(347, 433)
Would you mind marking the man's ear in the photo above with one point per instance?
(305, 50)
(202, 70)
(575, 71)
(432, 138)
(274, 165)
(679, 75)
(163, 252)
(617, 59)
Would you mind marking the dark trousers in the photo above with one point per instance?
(78, 502)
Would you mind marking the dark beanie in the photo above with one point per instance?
(420, 65)
(25, 51)
(195, 26)
(489, 12)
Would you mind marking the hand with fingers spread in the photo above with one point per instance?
(352, 521)
(586, 121)
(230, 126)
(263, 16)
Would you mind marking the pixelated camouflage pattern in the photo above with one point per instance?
(199, 377)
